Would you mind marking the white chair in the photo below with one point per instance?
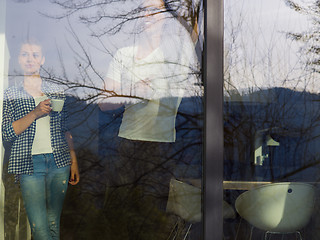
(228, 211)
(184, 200)
(277, 207)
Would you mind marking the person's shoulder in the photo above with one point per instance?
(124, 55)
(52, 86)
(11, 90)
(178, 43)
(175, 32)
(53, 89)
(125, 51)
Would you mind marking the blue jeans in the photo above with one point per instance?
(43, 194)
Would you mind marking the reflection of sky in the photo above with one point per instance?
(28, 18)
(260, 54)
(24, 19)
(62, 52)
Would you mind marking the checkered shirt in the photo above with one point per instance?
(18, 103)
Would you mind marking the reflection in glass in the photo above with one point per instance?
(154, 73)
(131, 74)
(40, 143)
(271, 113)
(150, 77)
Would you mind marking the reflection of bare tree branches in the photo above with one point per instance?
(88, 84)
(89, 207)
(311, 36)
(186, 11)
(252, 104)
(102, 13)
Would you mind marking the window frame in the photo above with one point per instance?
(213, 72)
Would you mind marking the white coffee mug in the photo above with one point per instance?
(57, 105)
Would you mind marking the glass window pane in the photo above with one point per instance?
(110, 94)
(271, 114)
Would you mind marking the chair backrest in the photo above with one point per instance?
(277, 207)
(185, 201)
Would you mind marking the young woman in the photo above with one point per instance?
(42, 155)
(150, 77)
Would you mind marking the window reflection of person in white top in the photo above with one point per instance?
(150, 78)
(161, 64)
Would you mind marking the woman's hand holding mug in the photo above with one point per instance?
(43, 108)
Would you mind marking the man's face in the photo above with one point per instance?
(30, 58)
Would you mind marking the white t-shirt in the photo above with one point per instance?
(42, 139)
(169, 72)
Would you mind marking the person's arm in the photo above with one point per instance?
(23, 123)
(110, 103)
(8, 134)
(112, 85)
(74, 169)
(190, 69)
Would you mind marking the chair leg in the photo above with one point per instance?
(251, 230)
(178, 230)
(238, 229)
(266, 235)
(185, 236)
(299, 235)
(173, 231)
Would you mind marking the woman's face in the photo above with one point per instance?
(30, 58)
(154, 14)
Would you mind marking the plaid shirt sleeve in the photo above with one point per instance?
(8, 133)
(65, 126)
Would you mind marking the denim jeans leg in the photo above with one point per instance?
(56, 186)
(33, 194)
(43, 195)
